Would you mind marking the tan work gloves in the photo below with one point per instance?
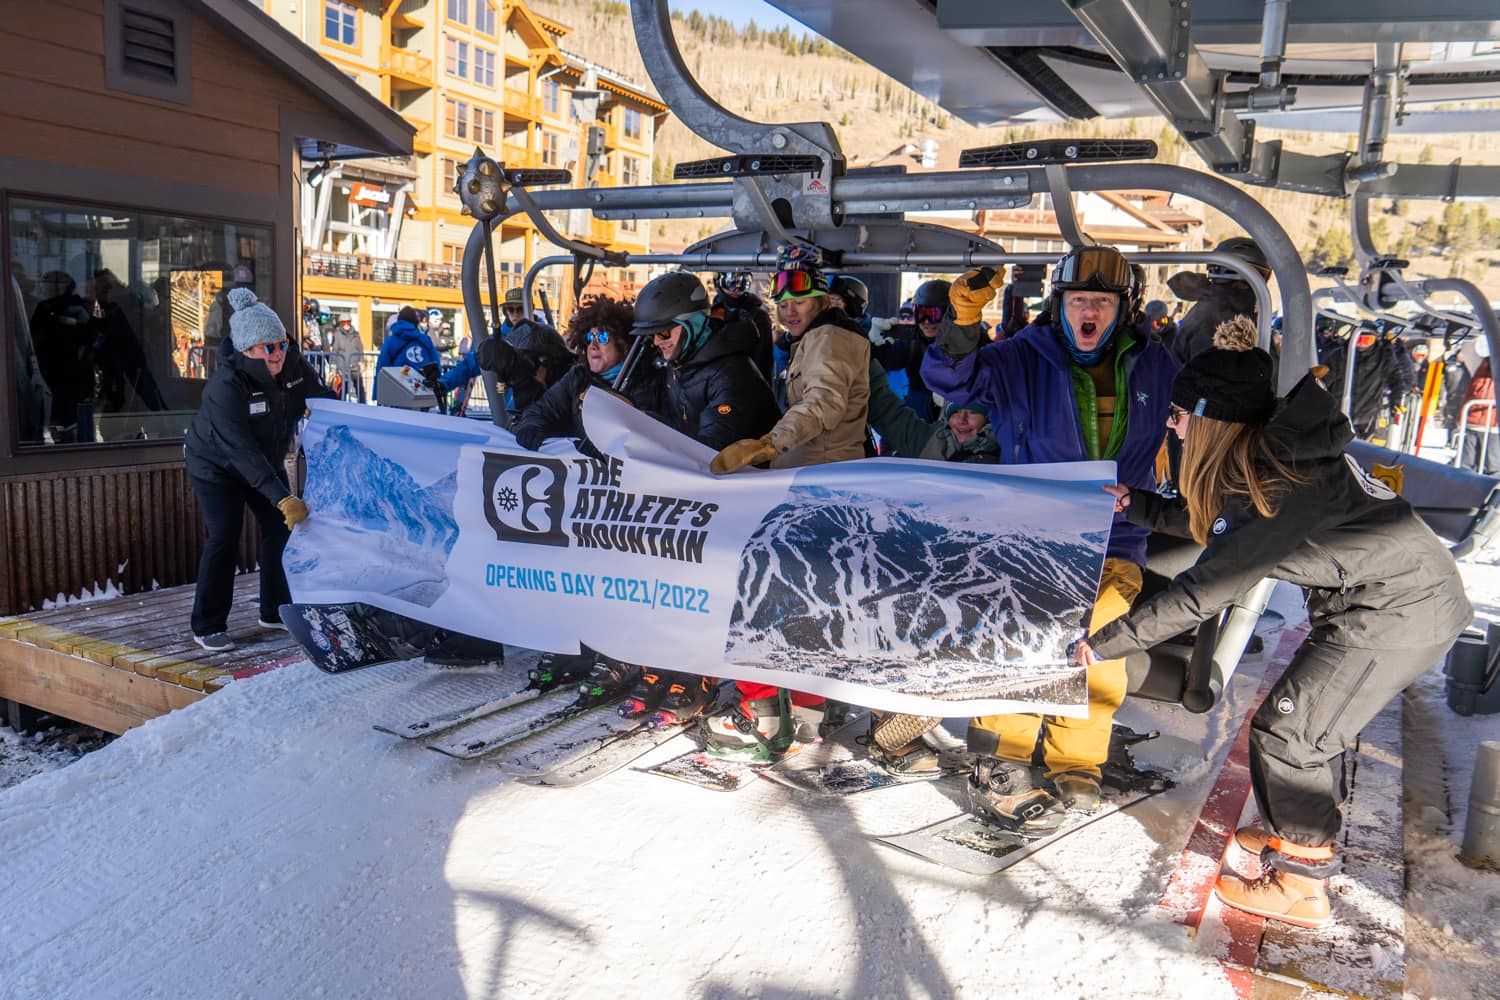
(748, 451)
(293, 510)
(968, 303)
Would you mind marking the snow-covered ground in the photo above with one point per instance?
(266, 842)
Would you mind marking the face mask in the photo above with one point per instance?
(1087, 359)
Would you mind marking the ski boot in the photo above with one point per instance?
(763, 730)
(646, 696)
(1011, 795)
(554, 670)
(896, 743)
(454, 649)
(606, 680)
(688, 696)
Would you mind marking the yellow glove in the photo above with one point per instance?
(293, 510)
(748, 451)
(968, 303)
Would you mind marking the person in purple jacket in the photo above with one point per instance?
(1079, 383)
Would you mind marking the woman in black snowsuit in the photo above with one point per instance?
(1269, 490)
(600, 331)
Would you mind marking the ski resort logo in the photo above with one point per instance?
(524, 498)
(1220, 526)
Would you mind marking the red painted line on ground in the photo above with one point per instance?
(261, 668)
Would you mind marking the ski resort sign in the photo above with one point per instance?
(923, 587)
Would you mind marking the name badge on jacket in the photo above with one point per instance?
(258, 406)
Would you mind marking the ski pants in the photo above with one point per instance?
(751, 691)
(223, 502)
(1079, 745)
(1300, 732)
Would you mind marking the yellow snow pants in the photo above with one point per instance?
(1071, 744)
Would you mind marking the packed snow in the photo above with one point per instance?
(267, 842)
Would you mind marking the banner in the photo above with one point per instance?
(903, 585)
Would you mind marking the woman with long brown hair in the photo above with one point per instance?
(1267, 488)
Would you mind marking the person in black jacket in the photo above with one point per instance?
(235, 451)
(1270, 491)
(529, 359)
(735, 303)
(718, 393)
(1380, 366)
(601, 330)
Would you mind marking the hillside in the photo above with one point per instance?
(778, 77)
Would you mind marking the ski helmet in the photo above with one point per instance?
(1246, 250)
(854, 293)
(1095, 269)
(666, 300)
(929, 296)
(733, 281)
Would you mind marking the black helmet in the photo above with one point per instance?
(1096, 269)
(931, 293)
(733, 281)
(1245, 249)
(310, 306)
(666, 300)
(854, 293)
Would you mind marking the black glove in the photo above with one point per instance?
(495, 355)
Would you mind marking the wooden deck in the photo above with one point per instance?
(117, 663)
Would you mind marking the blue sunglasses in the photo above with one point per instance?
(600, 337)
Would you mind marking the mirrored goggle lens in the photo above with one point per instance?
(929, 315)
(600, 337)
(1101, 266)
(274, 348)
(791, 284)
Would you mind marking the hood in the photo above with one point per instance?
(1309, 427)
(747, 301)
(723, 340)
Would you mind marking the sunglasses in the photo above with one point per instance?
(600, 337)
(1175, 413)
(928, 315)
(796, 284)
(275, 347)
(512, 309)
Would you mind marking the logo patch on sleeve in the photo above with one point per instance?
(1385, 484)
(1220, 526)
(724, 409)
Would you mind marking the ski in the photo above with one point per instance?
(446, 699)
(730, 774)
(494, 732)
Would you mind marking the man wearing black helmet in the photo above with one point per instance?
(1219, 295)
(736, 303)
(929, 306)
(1080, 383)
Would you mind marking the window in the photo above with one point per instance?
(456, 58)
(341, 22)
(453, 254)
(630, 171)
(550, 145)
(484, 67)
(455, 118)
(452, 170)
(121, 316)
(458, 11)
(551, 96)
(484, 126)
(484, 17)
(632, 123)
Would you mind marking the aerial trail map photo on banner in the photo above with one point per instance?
(922, 587)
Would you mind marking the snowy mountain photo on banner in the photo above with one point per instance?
(902, 585)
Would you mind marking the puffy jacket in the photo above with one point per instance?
(405, 344)
(717, 392)
(559, 413)
(1481, 386)
(828, 394)
(244, 425)
(944, 446)
(749, 309)
(1026, 383)
(1375, 575)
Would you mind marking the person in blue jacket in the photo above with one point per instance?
(1079, 383)
(406, 344)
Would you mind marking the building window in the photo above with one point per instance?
(453, 254)
(551, 96)
(458, 11)
(484, 67)
(120, 316)
(484, 17)
(550, 149)
(341, 23)
(456, 58)
(630, 171)
(632, 123)
(484, 126)
(452, 170)
(455, 118)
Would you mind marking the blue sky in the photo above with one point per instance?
(741, 12)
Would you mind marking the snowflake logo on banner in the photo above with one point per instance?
(506, 499)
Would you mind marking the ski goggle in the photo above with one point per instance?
(1364, 340)
(928, 315)
(796, 285)
(600, 337)
(1102, 268)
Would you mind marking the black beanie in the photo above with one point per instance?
(1231, 381)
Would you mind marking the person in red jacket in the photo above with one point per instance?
(1481, 445)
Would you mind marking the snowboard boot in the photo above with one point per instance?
(762, 730)
(688, 696)
(1078, 790)
(557, 669)
(1277, 895)
(1010, 794)
(646, 696)
(896, 743)
(606, 680)
(454, 649)
(913, 759)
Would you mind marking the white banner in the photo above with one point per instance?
(922, 587)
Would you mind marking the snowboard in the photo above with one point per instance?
(730, 774)
(841, 765)
(342, 637)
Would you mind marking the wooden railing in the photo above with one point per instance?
(519, 103)
(362, 267)
(407, 65)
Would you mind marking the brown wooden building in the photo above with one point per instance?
(150, 158)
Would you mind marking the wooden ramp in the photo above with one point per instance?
(114, 664)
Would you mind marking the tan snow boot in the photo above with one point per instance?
(1278, 895)
(1252, 839)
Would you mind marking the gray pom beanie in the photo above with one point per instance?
(252, 321)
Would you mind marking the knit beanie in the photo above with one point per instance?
(252, 321)
(978, 408)
(1232, 380)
